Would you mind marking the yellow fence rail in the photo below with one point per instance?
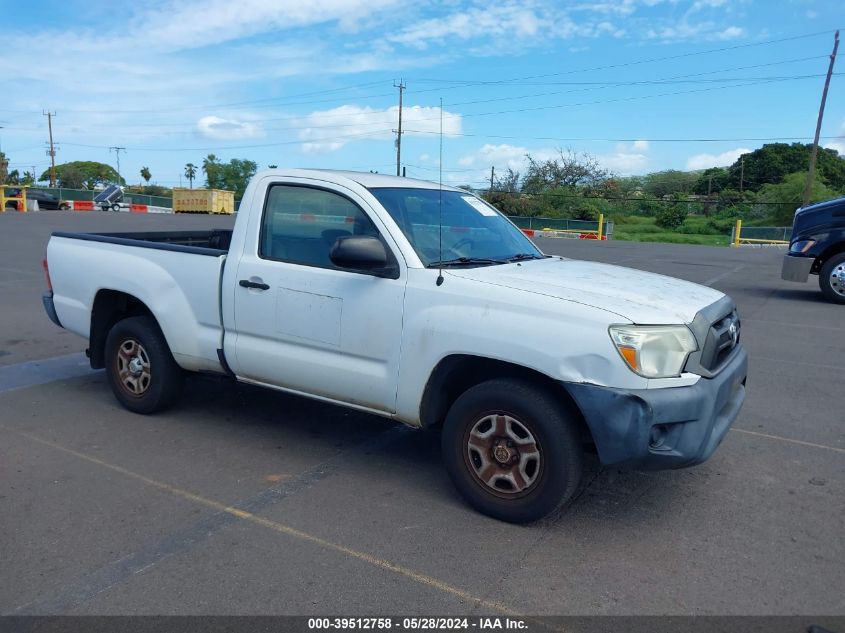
(738, 240)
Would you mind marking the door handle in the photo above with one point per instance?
(255, 285)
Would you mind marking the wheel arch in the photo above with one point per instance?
(456, 373)
(109, 307)
(834, 249)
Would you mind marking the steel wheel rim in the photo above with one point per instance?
(503, 455)
(133, 368)
(837, 279)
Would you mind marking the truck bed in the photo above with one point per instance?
(214, 242)
(175, 274)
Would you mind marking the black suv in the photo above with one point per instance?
(818, 247)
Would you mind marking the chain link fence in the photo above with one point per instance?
(63, 193)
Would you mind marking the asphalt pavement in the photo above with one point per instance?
(246, 501)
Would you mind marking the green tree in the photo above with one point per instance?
(236, 175)
(213, 170)
(232, 176)
(673, 214)
(84, 174)
(568, 169)
(145, 174)
(190, 173)
(668, 183)
(13, 178)
(711, 181)
(774, 161)
(507, 182)
(782, 199)
(4, 168)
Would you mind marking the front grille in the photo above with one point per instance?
(722, 339)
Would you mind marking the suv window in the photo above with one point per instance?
(301, 224)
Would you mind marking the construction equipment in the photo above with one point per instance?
(12, 199)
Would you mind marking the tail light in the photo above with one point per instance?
(47, 274)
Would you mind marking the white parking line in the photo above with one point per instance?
(790, 441)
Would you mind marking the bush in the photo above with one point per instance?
(671, 216)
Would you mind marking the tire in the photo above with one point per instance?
(488, 450)
(140, 368)
(115, 207)
(832, 279)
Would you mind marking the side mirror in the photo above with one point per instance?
(363, 253)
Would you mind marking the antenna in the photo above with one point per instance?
(440, 205)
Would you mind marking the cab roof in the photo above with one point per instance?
(365, 179)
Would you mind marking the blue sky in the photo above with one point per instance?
(311, 84)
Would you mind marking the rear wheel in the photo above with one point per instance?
(832, 278)
(140, 368)
(512, 450)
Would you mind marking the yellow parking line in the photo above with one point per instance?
(791, 441)
(375, 561)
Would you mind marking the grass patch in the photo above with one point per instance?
(670, 237)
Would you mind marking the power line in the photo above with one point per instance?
(230, 147)
(575, 139)
(467, 83)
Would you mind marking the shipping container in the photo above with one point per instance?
(203, 201)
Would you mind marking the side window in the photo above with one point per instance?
(301, 225)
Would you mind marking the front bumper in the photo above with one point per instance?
(660, 429)
(796, 268)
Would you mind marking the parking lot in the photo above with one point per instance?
(245, 501)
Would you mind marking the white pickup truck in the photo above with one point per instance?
(422, 304)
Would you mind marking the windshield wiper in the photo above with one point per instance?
(519, 257)
(467, 261)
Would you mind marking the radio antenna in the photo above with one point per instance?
(440, 205)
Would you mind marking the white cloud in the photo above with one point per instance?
(838, 144)
(699, 5)
(215, 127)
(705, 161)
(508, 20)
(502, 157)
(329, 130)
(191, 24)
(626, 159)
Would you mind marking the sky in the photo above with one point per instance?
(642, 85)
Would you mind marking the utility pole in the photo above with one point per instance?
(117, 151)
(741, 172)
(52, 151)
(401, 86)
(492, 175)
(808, 188)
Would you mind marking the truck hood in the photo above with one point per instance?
(640, 297)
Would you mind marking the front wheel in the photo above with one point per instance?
(512, 450)
(832, 279)
(140, 368)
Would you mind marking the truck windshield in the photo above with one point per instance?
(473, 233)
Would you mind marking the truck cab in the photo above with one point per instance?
(817, 247)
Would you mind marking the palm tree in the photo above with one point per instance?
(191, 173)
(145, 174)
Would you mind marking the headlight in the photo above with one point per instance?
(801, 246)
(654, 351)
